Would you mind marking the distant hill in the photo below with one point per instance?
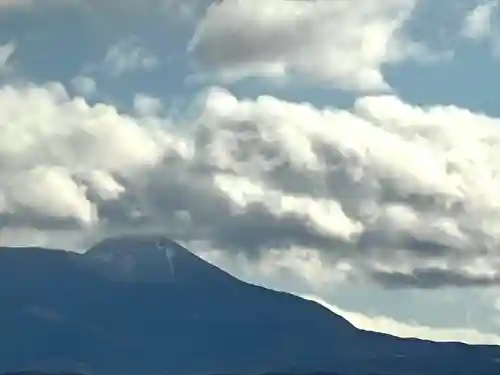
(144, 305)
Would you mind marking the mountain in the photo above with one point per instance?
(146, 305)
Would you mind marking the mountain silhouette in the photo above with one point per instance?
(144, 304)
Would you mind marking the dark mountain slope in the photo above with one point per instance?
(144, 304)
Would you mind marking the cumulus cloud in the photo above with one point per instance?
(394, 186)
(342, 42)
(56, 153)
(385, 191)
(408, 330)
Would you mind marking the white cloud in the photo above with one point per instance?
(84, 85)
(55, 151)
(481, 25)
(478, 22)
(388, 325)
(127, 56)
(385, 191)
(344, 42)
(146, 105)
(47, 191)
(104, 185)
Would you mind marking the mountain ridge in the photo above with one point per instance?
(153, 315)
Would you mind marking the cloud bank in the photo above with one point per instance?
(385, 191)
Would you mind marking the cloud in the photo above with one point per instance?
(59, 157)
(342, 42)
(480, 25)
(84, 85)
(6, 52)
(13, 4)
(387, 188)
(478, 22)
(384, 192)
(127, 56)
(496, 306)
(408, 330)
(146, 105)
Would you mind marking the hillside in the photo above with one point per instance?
(144, 304)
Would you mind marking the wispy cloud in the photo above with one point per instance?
(481, 25)
(146, 105)
(478, 23)
(6, 52)
(84, 85)
(128, 56)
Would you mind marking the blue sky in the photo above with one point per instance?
(345, 152)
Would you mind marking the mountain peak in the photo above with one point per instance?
(149, 258)
(140, 245)
(130, 313)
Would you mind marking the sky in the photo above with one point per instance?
(347, 151)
